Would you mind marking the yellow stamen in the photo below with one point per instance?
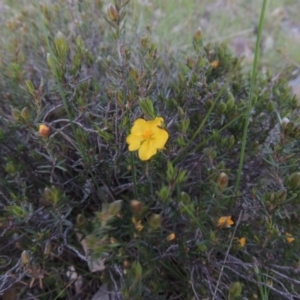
(147, 134)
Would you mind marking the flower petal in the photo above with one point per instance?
(242, 241)
(147, 150)
(156, 122)
(134, 141)
(225, 222)
(139, 127)
(160, 137)
(289, 237)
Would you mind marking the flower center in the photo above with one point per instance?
(147, 134)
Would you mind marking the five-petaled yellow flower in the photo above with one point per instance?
(147, 137)
(225, 222)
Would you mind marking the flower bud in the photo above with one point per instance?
(235, 290)
(61, 41)
(137, 268)
(44, 130)
(126, 264)
(201, 247)
(47, 194)
(155, 221)
(222, 107)
(198, 40)
(134, 74)
(61, 46)
(47, 248)
(15, 113)
(115, 207)
(51, 62)
(290, 126)
(30, 87)
(171, 237)
(198, 36)
(190, 62)
(113, 240)
(281, 195)
(231, 141)
(80, 220)
(25, 114)
(222, 180)
(230, 102)
(136, 206)
(185, 198)
(294, 180)
(164, 193)
(112, 12)
(25, 257)
(10, 167)
(208, 104)
(270, 106)
(213, 154)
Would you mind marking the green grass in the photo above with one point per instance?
(173, 23)
(73, 194)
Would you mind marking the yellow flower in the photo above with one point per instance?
(44, 130)
(147, 137)
(289, 237)
(215, 64)
(225, 222)
(242, 241)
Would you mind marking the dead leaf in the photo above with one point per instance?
(94, 265)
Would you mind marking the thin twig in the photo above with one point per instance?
(226, 256)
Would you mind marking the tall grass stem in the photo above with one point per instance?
(252, 85)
